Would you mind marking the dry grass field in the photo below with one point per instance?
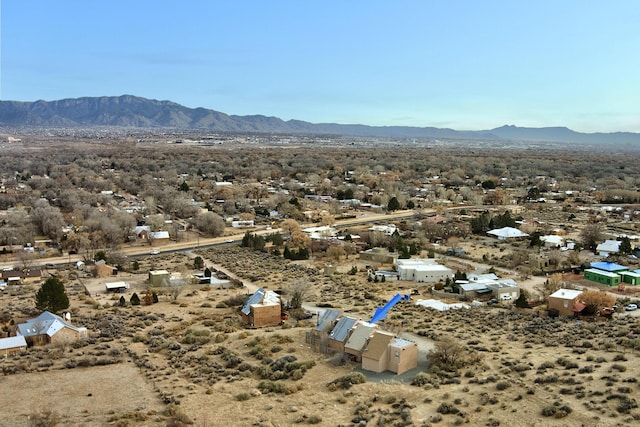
(189, 361)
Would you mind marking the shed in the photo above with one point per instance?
(12, 345)
(119, 287)
(159, 278)
(608, 247)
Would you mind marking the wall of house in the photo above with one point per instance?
(374, 365)
(335, 346)
(65, 335)
(601, 278)
(402, 359)
(564, 306)
(10, 351)
(267, 315)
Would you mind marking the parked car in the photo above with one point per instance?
(492, 301)
(154, 252)
(506, 297)
(631, 307)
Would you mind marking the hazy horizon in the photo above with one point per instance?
(462, 65)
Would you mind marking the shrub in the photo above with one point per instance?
(347, 381)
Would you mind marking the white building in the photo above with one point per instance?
(422, 270)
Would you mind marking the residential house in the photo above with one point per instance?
(379, 255)
(422, 270)
(319, 336)
(608, 247)
(566, 302)
(375, 354)
(506, 233)
(403, 356)
(340, 334)
(263, 308)
(358, 340)
(49, 328)
(12, 345)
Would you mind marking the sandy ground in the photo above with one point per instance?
(81, 396)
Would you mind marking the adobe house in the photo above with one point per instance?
(358, 340)
(375, 354)
(402, 356)
(566, 302)
(386, 352)
(102, 269)
(263, 308)
(49, 328)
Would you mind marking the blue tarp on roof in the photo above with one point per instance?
(608, 266)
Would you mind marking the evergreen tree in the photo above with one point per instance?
(393, 204)
(51, 296)
(122, 302)
(135, 299)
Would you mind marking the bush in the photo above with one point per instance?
(347, 381)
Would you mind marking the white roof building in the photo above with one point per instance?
(507, 233)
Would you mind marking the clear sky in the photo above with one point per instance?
(463, 64)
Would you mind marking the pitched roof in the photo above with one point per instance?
(46, 323)
(377, 345)
(609, 246)
(260, 297)
(340, 332)
(12, 342)
(326, 319)
(359, 337)
(507, 232)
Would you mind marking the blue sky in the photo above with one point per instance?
(463, 64)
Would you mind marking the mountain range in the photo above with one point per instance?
(137, 112)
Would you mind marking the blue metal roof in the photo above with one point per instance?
(608, 266)
(256, 298)
(342, 328)
(326, 320)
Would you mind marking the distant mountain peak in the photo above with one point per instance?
(133, 111)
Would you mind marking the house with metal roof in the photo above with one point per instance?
(263, 308)
(12, 345)
(340, 334)
(49, 328)
(608, 247)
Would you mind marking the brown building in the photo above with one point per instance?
(263, 308)
(403, 356)
(566, 302)
(340, 334)
(12, 345)
(102, 269)
(375, 354)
